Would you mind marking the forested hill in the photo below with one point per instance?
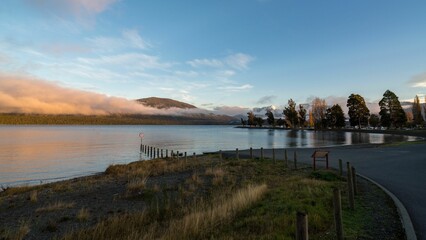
(162, 103)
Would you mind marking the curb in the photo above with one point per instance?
(402, 211)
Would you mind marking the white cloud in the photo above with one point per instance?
(418, 80)
(236, 88)
(135, 39)
(75, 7)
(205, 63)
(231, 110)
(239, 61)
(128, 60)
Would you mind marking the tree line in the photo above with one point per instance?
(321, 116)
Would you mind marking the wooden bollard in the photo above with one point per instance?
(150, 152)
(353, 173)
(340, 167)
(158, 153)
(171, 154)
(273, 155)
(186, 158)
(167, 153)
(261, 153)
(350, 187)
(285, 158)
(337, 203)
(302, 226)
(251, 153)
(295, 160)
(154, 152)
(177, 155)
(237, 154)
(162, 156)
(194, 156)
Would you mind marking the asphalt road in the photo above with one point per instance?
(400, 169)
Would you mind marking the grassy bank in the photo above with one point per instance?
(194, 199)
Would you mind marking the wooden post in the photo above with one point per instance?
(167, 153)
(340, 167)
(295, 160)
(273, 155)
(237, 154)
(171, 154)
(186, 158)
(302, 226)
(154, 152)
(285, 158)
(220, 155)
(194, 156)
(354, 181)
(150, 152)
(251, 153)
(162, 156)
(177, 155)
(350, 187)
(158, 153)
(337, 202)
(261, 153)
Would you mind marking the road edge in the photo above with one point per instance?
(407, 224)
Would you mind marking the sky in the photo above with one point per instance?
(221, 55)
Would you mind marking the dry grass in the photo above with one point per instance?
(83, 215)
(16, 234)
(193, 224)
(55, 206)
(217, 173)
(33, 197)
(137, 184)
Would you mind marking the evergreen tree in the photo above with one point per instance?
(358, 111)
(417, 112)
(374, 120)
(290, 113)
(302, 115)
(243, 122)
(335, 117)
(270, 118)
(391, 112)
(259, 121)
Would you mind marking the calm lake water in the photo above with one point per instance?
(34, 154)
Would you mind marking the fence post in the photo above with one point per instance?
(237, 154)
(158, 153)
(167, 153)
(177, 155)
(340, 167)
(337, 203)
(194, 156)
(354, 181)
(162, 156)
(186, 158)
(171, 154)
(273, 155)
(261, 153)
(302, 226)
(220, 155)
(350, 187)
(154, 152)
(295, 160)
(150, 152)
(251, 153)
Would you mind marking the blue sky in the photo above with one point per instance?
(240, 53)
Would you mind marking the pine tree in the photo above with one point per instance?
(417, 112)
(391, 112)
(290, 113)
(358, 111)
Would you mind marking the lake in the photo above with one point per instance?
(36, 154)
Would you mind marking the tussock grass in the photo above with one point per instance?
(55, 206)
(16, 234)
(83, 215)
(137, 184)
(9, 191)
(217, 173)
(33, 197)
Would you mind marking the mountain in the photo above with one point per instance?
(162, 103)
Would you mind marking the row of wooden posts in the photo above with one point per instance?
(301, 218)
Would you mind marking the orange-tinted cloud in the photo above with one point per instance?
(24, 94)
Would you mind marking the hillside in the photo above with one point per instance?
(162, 103)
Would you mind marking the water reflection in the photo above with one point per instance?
(51, 152)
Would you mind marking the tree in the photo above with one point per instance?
(318, 112)
(270, 118)
(290, 113)
(280, 122)
(391, 112)
(302, 115)
(358, 111)
(374, 120)
(259, 121)
(243, 122)
(251, 119)
(417, 112)
(335, 117)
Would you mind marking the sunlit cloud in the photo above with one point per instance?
(231, 110)
(418, 81)
(215, 63)
(239, 61)
(24, 94)
(236, 88)
(127, 60)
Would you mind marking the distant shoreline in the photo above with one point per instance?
(414, 133)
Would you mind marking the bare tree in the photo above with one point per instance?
(319, 108)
